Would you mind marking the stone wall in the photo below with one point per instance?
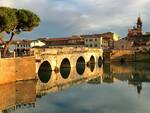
(142, 57)
(118, 55)
(14, 69)
(25, 68)
(127, 55)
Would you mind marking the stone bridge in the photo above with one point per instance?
(54, 65)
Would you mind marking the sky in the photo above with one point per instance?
(61, 18)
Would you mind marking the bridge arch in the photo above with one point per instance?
(65, 68)
(45, 71)
(80, 65)
(91, 63)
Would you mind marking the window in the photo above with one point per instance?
(90, 40)
(95, 45)
(90, 45)
(86, 40)
(95, 39)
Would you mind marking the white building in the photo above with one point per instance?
(94, 41)
(20, 47)
(37, 43)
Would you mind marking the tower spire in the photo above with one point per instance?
(139, 22)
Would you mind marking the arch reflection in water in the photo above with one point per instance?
(91, 63)
(65, 68)
(45, 72)
(100, 61)
(80, 65)
(74, 78)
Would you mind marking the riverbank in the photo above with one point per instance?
(125, 56)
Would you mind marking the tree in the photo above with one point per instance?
(14, 21)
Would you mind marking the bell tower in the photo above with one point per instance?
(139, 23)
(136, 31)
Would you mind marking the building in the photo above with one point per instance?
(136, 31)
(73, 41)
(20, 47)
(141, 40)
(37, 43)
(94, 41)
(105, 40)
(123, 44)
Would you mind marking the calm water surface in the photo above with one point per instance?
(114, 88)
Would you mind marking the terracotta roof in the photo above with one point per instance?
(55, 39)
(21, 42)
(64, 38)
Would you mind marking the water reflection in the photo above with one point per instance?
(80, 66)
(100, 61)
(134, 73)
(65, 68)
(74, 92)
(57, 83)
(23, 95)
(17, 95)
(45, 72)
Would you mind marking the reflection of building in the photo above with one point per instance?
(97, 80)
(136, 80)
(134, 73)
(108, 79)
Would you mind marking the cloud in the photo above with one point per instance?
(68, 17)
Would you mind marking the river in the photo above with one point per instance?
(112, 88)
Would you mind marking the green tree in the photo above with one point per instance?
(14, 21)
